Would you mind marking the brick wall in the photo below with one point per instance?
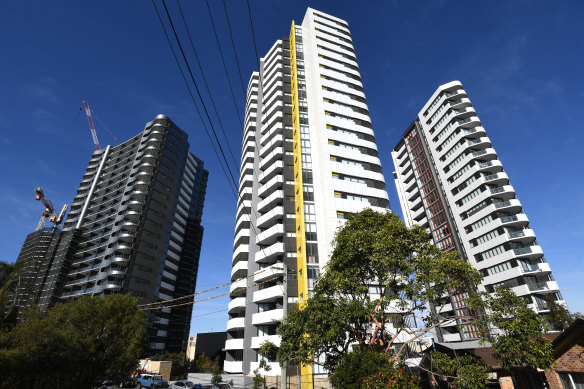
(506, 383)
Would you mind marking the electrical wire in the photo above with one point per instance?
(233, 44)
(192, 97)
(204, 291)
(224, 65)
(198, 91)
(208, 298)
(205, 81)
(253, 35)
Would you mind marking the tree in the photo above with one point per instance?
(374, 250)
(516, 332)
(357, 365)
(460, 371)
(9, 285)
(217, 376)
(559, 317)
(75, 344)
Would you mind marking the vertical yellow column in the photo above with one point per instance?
(305, 369)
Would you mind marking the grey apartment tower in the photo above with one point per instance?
(450, 180)
(134, 228)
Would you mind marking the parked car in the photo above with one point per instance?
(182, 385)
(223, 385)
(203, 386)
(151, 381)
(107, 384)
(128, 383)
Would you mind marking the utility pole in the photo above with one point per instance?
(285, 313)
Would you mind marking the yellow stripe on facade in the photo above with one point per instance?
(305, 370)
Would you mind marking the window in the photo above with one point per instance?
(572, 380)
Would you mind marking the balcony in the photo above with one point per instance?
(273, 170)
(522, 236)
(234, 344)
(519, 220)
(271, 201)
(504, 192)
(233, 366)
(512, 206)
(267, 317)
(238, 285)
(269, 294)
(236, 304)
(235, 323)
(270, 235)
(531, 252)
(271, 217)
(239, 270)
(271, 158)
(277, 269)
(257, 341)
(240, 253)
(275, 183)
(275, 369)
(451, 337)
(270, 253)
(497, 179)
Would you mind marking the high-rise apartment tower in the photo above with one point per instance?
(134, 228)
(308, 159)
(450, 180)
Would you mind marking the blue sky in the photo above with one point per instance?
(521, 63)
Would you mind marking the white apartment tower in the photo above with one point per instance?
(450, 180)
(308, 158)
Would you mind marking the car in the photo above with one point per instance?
(128, 383)
(107, 384)
(182, 385)
(203, 386)
(151, 381)
(223, 385)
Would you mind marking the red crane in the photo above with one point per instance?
(92, 127)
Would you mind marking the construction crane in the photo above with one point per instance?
(49, 212)
(92, 127)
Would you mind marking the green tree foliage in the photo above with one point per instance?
(217, 376)
(518, 337)
(204, 364)
(9, 285)
(373, 249)
(74, 344)
(357, 365)
(559, 317)
(461, 371)
(393, 377)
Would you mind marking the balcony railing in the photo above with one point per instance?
(508, 219)
(522, 250)
(497, 190)
(485, 164)
(479, 153)
(491, 177)
(516, 234)
(537, 286)
(503, 204)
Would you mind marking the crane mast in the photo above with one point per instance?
(91, 126)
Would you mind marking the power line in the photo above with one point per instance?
(233, 44)
(224, 65)
(205, 81)
(204, 291)
(198, 91)
(191, 94)
(208, 298)
(253, 35)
